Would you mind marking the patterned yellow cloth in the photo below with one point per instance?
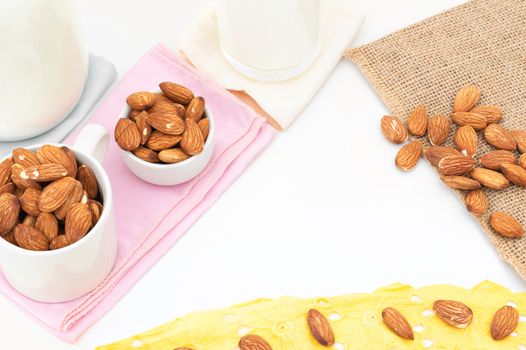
(355, 318)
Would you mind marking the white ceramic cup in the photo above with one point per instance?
(68, 273)
(171, 174)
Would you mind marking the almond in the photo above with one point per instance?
(438, 129)
(30, 238)
(78, 222)
(466, 140)
(173, 155)
(7, 188)
(168, 107)
(493, 114)
(495, 159)
(466, 98)
(475, 120)
(44, 172)
(397, 323)
(5, 170)
(170, 124)
(514, 173)
(193, 141)
(60, 155)
(434, 154)
(55, 194)
(504, 322)
(408, 156)
(522, 161)
(520, 138)
(30, 220)
(252, 342)
(146, 154)
(75, 197)
(144, 128)
(500, 137)
(58, 242)
(393, 129)
(29, 201)
(456, 165)
(25, 157)
(477, 202)
(10, 237)
(87, 178)
(204, 126)
(417, 121)
(490, 178)
(195, 109)
(9, 211)
(320, 328)
(177, 93)
(460, 183)
(141, 100)
(127, 135)
(454, 313)
(160, 141)
(506, 225)
(47, 224)
(21, 183)
(96, 211)
(133, 114)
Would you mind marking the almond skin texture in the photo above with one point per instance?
(393, 129)
(195, 109)
(9, 211)
(409, 155)
(141, 100)
(87, 178)
(514, 173)
(96, 211)
(7, 188)
(522, 161)
(454, 313)
(72, 165)
(59, 242)
(456, 165)
(44, 172)
(397, 323)
(466, 98)
(460, 183)
(25, 157)
(495, 159)
(320, 328)
(127, 135)
(144, 128)
(177, 93)
(78, 222)
(204, 126)
(253, 342)
(74, 197)
(489, 178)
(21, 183)
(54, 154)
(55, 194)
(133, 114)
(417, 121)
(160, 141)
(173, 155)
(438, 129)
(493, 114)
(5, 170)
(146, 154)
(30, 220)
(47, 223)
(504, 322)
(170, 124)
(434, 154)
(168, 107)
(476, 121)
(477, 202)
(500, 137)
(466, 140)
(192, 141)
(29, 201)
(506, 225)
(30, 238)
(520, 138)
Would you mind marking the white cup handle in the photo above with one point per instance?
(93, 140)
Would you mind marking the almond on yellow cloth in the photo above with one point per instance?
(477, 202)
(506, 225)
(127, 135)
(504, 322)
(515, 173)
(500, 137)
(192, 142)
(417, 121)
(397, 323)
(320, 328)
(252, 342)
(409, 155)
(438, 129)
(434, 154)
(466, 98)
(25, 157)
(9, 211)
(177, 93)
(475, 120)
(393, 129)
(55, 194)
(466, 140)
(495, 159)
(195, 109)
(30, 238)
(493, 114)
(456, 165)
(460, 182)
(490, 178)
(141, 100)
(453, 312)
(160, 141)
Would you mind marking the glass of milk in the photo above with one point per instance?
(270, 40)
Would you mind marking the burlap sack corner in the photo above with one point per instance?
(481, 42)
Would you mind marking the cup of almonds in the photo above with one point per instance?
(166, 136)
(58, 238)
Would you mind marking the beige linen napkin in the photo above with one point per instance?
(280, 102)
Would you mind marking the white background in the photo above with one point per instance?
(323, 211)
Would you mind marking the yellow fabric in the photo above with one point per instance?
(355, 319)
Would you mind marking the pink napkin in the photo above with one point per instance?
(146, 232)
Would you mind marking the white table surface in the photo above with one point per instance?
(323, 211)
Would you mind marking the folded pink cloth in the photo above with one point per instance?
(146, 232)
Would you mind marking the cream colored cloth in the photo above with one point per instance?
(283, 101)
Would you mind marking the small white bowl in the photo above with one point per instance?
(171, 174)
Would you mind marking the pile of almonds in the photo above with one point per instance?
(453, 313)
(458, 167)
(166, 127)
(47, 199)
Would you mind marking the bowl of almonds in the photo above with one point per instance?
(166, 136)
(57, 231)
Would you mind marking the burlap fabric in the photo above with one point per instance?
(481, 42)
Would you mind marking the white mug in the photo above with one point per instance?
(68, 273)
